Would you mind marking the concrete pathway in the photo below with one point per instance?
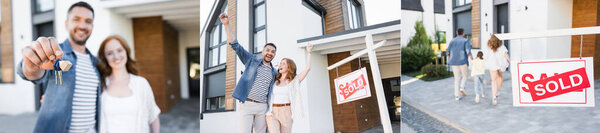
(183, 118)
(435, 100)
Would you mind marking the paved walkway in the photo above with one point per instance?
(183, 118)
(436, 100)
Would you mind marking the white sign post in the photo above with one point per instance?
(556, 82)
(385, 118)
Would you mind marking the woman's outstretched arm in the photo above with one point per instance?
(303, 74)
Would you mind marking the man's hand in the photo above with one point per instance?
(41, 54)
(224, 18)
(470, 57)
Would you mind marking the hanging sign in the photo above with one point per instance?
(352, 86)
(556, 82)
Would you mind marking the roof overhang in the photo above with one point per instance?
(182, 14)
(354, 40)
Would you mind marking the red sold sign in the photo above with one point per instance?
(575, 80)
(352, 86)
(553, 82)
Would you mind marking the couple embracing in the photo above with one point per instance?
(269, 96)
(102, 94)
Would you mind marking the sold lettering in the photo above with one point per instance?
(349, 88)
(547, 87)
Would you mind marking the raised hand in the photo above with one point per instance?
(309, 48)
(224, 18)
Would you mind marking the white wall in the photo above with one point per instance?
(18, 97)
(187, 39)
(540, 15)
(381, 11)
(485, 32)
(450, 20)
(431, 21)
(560, 14)
(408, 24)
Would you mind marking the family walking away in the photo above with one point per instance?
(493, 58)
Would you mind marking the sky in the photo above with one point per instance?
(376, 11)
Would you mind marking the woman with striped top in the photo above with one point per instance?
(127, 99)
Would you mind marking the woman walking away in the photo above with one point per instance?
(496, 62)
(285, 100)
(477, 72)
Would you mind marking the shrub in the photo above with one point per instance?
(415, 57)
(432, 70)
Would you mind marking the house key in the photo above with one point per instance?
(59, 67)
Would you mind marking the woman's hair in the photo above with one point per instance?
(480, 55)
(494, 43)
(291, 73)
(104, 68)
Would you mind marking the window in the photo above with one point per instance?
(217, 48)
(44, 5)
(216, 53)
(215, 92)
(462, 2)
(258, 26)
(354, 14)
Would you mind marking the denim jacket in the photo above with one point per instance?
(459, 50)
(55, 112)
(251, 62)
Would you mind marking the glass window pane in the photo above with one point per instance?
(214, 57)
(223, 57)
(223, 34)
(258, 1)
(259, 41)
(215, 36)
(259, 16)
(213, 104)
(356, 18)
(468, 1)
(221, 102)
(44, 5)
(210, 59)
(208, 104)
(224, 9)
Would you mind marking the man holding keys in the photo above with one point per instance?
(71, 95)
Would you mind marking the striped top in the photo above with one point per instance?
(83, 118)
(260, 87)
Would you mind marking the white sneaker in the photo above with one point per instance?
(456, 98)
(476, 98)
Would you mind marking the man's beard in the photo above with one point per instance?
(267, 61)
(79, 42)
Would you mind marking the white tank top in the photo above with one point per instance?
(281, 95)
(121, 112)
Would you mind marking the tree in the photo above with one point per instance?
(420, 38)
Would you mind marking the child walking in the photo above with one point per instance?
(477, 72)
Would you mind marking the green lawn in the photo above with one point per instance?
(424, 77)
